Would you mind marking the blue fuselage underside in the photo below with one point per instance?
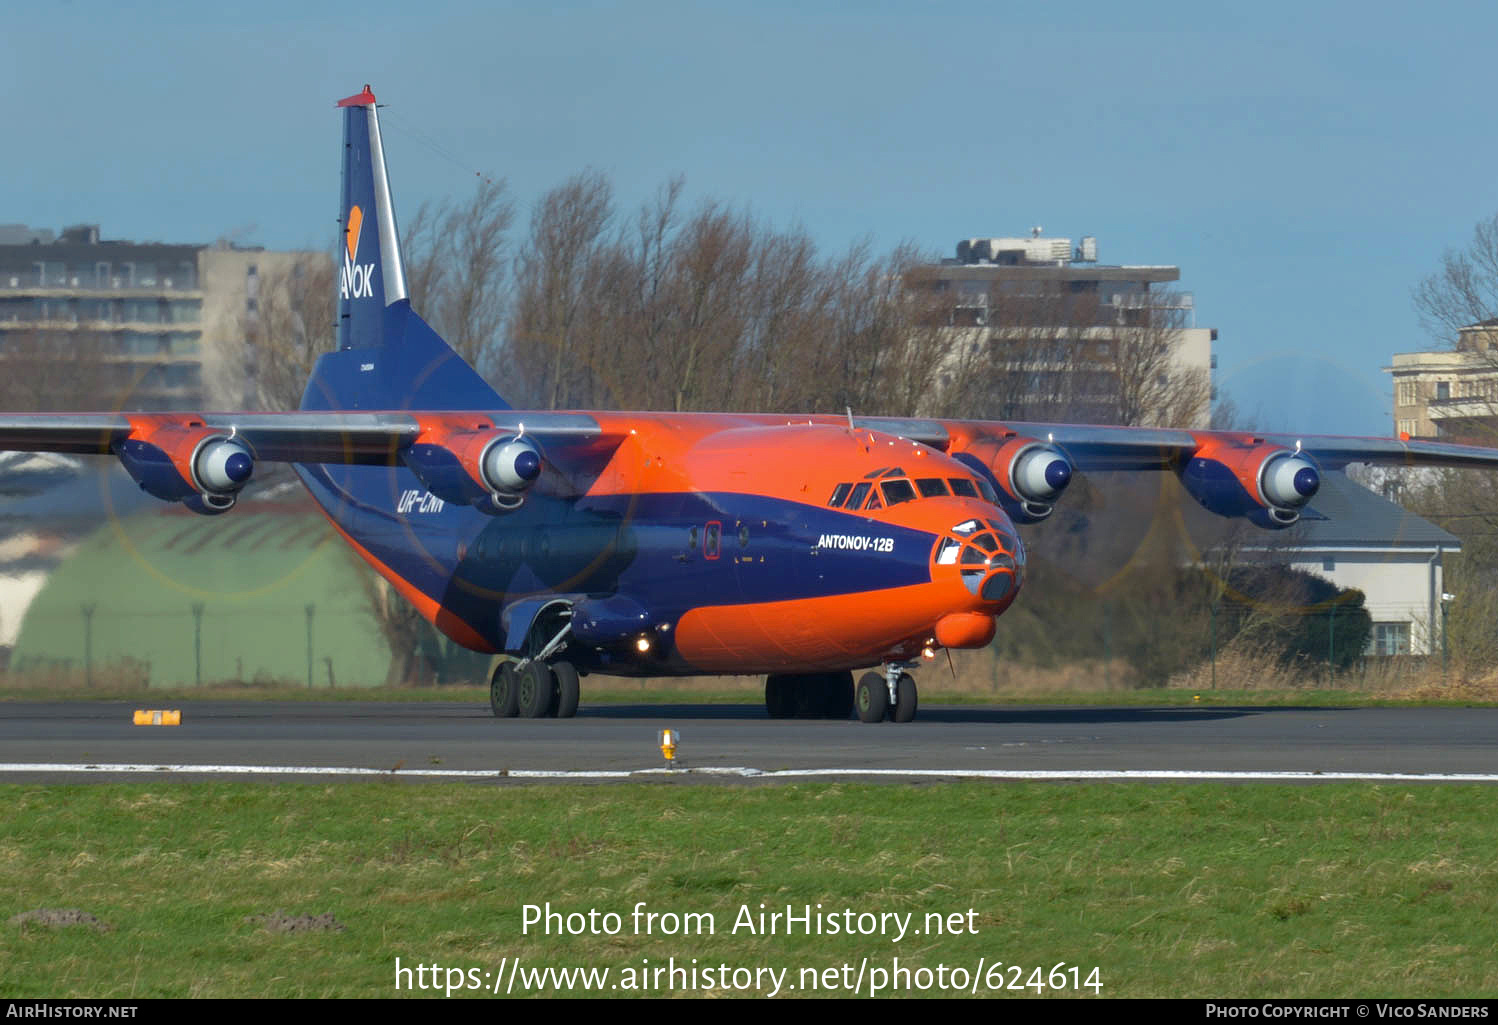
(654, 548)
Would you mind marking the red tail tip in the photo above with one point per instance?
(364, 99)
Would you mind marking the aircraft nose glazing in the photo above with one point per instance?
(989, 558)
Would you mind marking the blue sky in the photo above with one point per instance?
(1304, 164)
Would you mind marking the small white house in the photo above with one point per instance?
(1356, 538)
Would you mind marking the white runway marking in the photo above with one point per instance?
(750, 773)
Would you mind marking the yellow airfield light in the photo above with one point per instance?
(158, 717)
(668, 741)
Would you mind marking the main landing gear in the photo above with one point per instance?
(534, 688)
(890, 694)
(538, 691)
(809, 696)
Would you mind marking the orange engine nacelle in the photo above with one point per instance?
(1268, 484)
(187, 462)
(1029, 475)
(476, 465)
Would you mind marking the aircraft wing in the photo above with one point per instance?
(186, 456)
(1267, 478)
(304, 437)
(472, 456)
(290, 437)
(1094, 447)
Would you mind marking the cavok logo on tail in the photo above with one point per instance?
(354, 279)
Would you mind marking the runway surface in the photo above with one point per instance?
(74, 741)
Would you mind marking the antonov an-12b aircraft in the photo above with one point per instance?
(661, 544)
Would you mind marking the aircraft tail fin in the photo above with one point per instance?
(388, 357)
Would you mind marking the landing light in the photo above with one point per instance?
(642, 645)
(928, 653)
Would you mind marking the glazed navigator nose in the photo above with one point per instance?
(989, 558)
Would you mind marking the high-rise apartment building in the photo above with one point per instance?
(94, 322)
(1067, 336)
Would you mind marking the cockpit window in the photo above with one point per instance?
(897, 491)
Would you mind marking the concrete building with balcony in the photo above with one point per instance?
(1450, 394)
(100, 323)
(1076, 338)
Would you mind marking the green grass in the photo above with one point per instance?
(1313, 891)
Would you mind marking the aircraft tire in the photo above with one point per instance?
(838, 698)
(536, 691)
(504, 691)
(805, 695)
(906, 699)
(777, 697)
(872, 697)
(568, 690)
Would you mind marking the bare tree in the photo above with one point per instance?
(710, 266)
(887, 339)
(1464, 290)
(714, 310)
(636, 300)
(411, 639)
(1153, 387)
(556, 279)
(291, 325)
(773, 362)
(58, 371)
(457, 271)
(1226, 416)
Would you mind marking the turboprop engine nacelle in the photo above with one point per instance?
(485, 468)
(1265, 483)
(1029, 475)
(202, 468)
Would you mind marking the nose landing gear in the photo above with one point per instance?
(888, 694)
